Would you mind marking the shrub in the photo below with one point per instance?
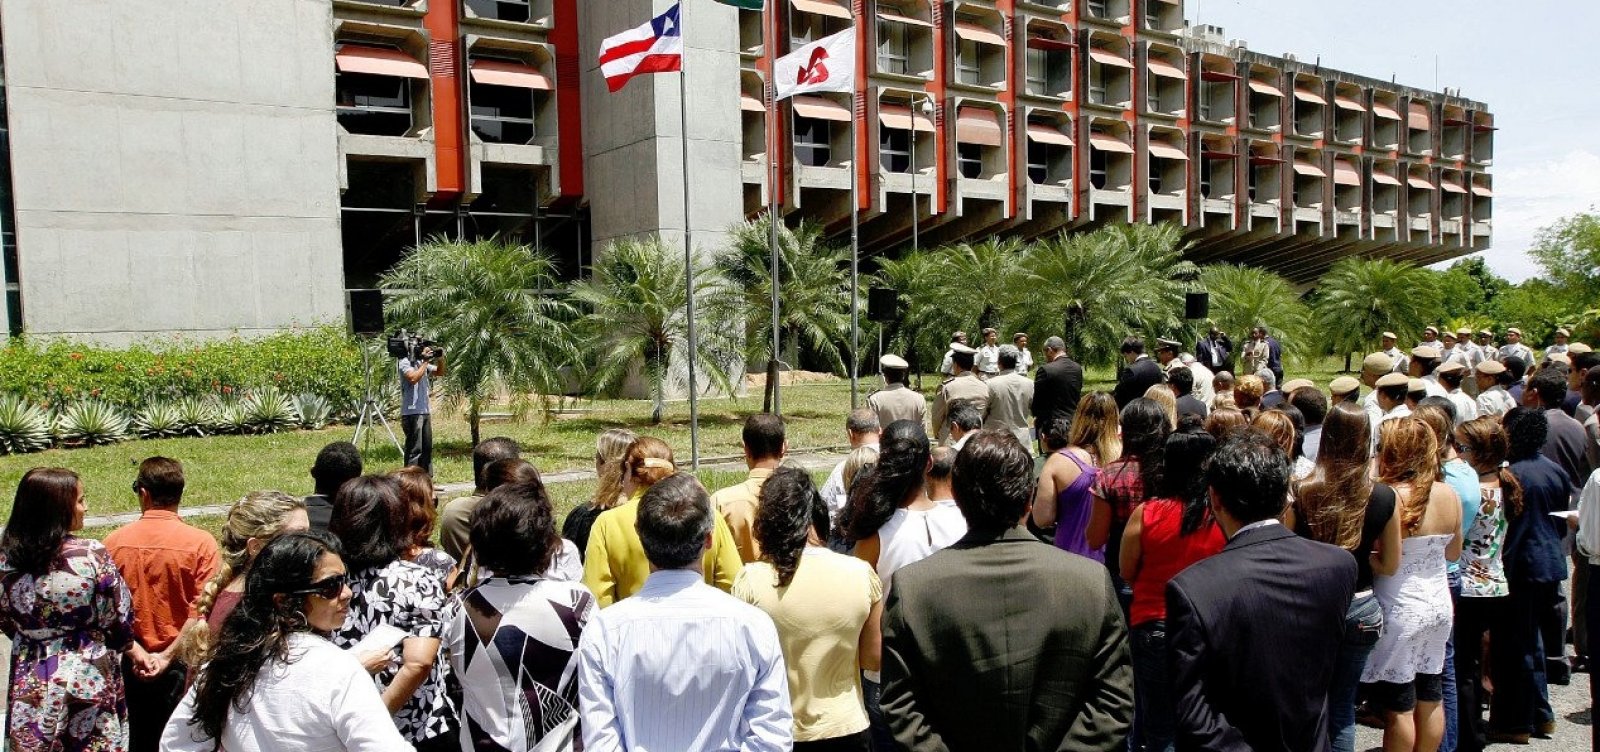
(231, 417)
(197, 416)
(91, 423)
(268, 410)
(23, 426)
(315, 411)
(158, 420)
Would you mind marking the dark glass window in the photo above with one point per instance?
(503, 10)
(969, 160)
(503, 114)
(813, 142)
(374, 105)
(894, 149)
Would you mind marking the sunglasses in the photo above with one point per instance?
(328, 589)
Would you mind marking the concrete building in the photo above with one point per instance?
(199, 168)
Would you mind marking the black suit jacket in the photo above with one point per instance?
(1006, 644)
(319, 511)
(1056, 390)
(1135, 380)
(1253, 633)
(1206, 348)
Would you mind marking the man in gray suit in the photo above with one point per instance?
(1010, 395)
(1002, 642)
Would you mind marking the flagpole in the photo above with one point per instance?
(774, 370)
(688, 241)
(855, 259)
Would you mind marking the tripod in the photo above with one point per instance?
(371, 412)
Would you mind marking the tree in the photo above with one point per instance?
(1243, 297)
(1359, 299)
(1101, 286)
(1569, 252)
(635, 300)
(1537, 307)
(1468, 288)
(981, 282)
(493, 306)
(915, 332)
(813, 292)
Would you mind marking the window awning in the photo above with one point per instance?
(1345, 173)
(1307, 95)
(1050, 43)
(1164, 69)
(978, 126)
(1302, 167)
(507, 73)
(818, 108)
(751, 104)
(900, 117)
(1108, 142)
(1481, 128)
(1108, 57)
(1262, 87)
(1385, 178)
(1479, 189)
(822, 8)
(974, 33)
(1416, 182)
(888, 15)
(1450, 187)
(1348, 103)
(1207, 74)
(1384, 111)
(1046, 133)
(1264, 159)
(1420, 116)
(1208, 154)
(1165, 150)
(377, 61)
(1456, 121)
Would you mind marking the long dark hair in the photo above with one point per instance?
(41, 518)
(370, 521)
(1333, 500)
(1183, 471)
(901, 470)
(258, 629)
(790, 508)
(1144, 436)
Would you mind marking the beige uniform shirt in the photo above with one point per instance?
(1010, 395)
(897, 402)
(738, 505)
(967, 387)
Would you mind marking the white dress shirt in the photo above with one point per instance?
(321, 700)
(683, 666)
(988, 359)
(1588, 538)
(1495, 401)
(834, 494)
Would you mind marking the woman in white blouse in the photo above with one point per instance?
(275, 682)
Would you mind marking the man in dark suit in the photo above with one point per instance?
(1182, 382)
(1254, 630)
(1002, 642)
(1138, 375)
(1057, 387)
(1215, 351)
(1274, 355)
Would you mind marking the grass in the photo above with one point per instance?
(221, 469)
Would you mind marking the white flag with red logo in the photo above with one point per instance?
(828, 64)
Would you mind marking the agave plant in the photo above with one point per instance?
(231, 417)
(158, 420)
(315, 411)
(92, 423)
(23, 426)
(269, 411)
(197, 416)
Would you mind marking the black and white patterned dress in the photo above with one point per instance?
(513, 643)
(410, 597)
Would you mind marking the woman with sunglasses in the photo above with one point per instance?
(276, 682)
(69, 616)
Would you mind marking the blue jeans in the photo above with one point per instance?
(1154, 716)
(1451, 725)
(872, 695)
(1363, 624)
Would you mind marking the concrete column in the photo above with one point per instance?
(632, 138)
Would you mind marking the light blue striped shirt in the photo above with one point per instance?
(683, 667)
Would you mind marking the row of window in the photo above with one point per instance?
(383, 105)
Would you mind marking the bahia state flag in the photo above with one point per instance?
(655, 47)
(745, 4)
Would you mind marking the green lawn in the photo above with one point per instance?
(221, 469)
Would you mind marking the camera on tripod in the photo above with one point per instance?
(407, 344)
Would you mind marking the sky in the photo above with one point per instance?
(1532, 61)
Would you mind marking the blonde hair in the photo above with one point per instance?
(1408, 455)
(1162, 395)
(260, 514)
(859, 459)
(1278, 426)
(1094, 428)
(610, 448)
(1247, 392)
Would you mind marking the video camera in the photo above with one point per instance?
(406, 344)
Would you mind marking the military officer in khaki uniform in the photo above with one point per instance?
(896, 401)
(963, 385)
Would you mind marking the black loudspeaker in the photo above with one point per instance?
(1197, 305)
(366, 311)
(882, 303)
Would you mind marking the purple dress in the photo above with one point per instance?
(1073, 505)
(69, 628)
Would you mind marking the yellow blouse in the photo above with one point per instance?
(615, 566)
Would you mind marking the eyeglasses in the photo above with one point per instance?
(135, 486)
(328, 589)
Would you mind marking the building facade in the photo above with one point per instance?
(190, 167)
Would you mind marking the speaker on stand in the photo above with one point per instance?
(1197, 305)
(366, 321)
(883, 304)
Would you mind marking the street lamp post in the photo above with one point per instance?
(916, 198)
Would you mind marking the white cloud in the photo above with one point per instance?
(1530, 196)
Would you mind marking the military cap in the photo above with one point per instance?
(893, 361)
(1377, 362)
(1344, 385)
(1389, 335)
(960, 349)
(1578, 348)
(1491, 367)
(1293, 384)
(1393, 379)
(1454, 366)
(1424, 351)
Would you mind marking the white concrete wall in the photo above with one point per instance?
(176, 165)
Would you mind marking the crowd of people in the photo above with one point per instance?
(1190, 561)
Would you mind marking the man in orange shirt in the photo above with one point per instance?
(166, 563)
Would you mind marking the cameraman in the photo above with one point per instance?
(415, 414)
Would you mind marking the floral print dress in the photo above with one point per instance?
(410, 597)
(68, 629)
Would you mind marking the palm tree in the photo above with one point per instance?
(981, 282)
(1359, 299)
(1098, 287)
(636, 301)
(813, 297)
(493, 305)
(1243, 297)
(916, 331)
